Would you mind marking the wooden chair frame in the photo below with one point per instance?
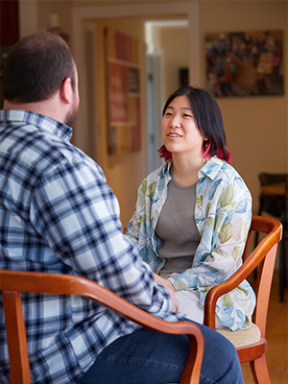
(273, 199)
(12, 283)
(263, 255)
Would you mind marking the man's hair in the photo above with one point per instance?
(36, 67)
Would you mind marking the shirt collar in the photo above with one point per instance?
(166, 169)
(210, 169)
(40, 121)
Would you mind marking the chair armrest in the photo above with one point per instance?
(241, 274)
(221, 289)
(192, 370)
(17, 281)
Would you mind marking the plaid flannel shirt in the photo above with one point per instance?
(58, 215)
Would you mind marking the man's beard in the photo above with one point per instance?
(72, 114)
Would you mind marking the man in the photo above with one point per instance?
(58, 215)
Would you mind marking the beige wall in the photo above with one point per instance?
(35, 15)
(256, 127)
(175, 47)
(84, 3)
(28, 17)
(62, 8)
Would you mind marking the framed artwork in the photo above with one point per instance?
(123, 90)
(244, 63)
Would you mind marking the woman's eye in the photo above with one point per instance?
(187, 115)
(168, 114)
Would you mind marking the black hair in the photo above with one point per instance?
(208, 119)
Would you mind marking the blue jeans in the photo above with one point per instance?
(151, 357)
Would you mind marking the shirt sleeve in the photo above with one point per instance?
(219, 255)
(138, 218)
(77, 214)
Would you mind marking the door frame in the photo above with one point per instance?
(79, 14)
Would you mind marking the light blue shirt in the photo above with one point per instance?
(223, 218)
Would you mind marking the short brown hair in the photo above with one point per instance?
(36, 67)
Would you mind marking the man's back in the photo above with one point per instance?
(58, 215)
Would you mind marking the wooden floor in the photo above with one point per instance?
(277, 339)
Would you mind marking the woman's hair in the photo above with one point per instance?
(208, 119)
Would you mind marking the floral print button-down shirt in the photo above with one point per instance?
(223, 218)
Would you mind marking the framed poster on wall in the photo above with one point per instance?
(123, 90)
(244, 63)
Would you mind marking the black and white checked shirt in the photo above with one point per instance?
(58, 215)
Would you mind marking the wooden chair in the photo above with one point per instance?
(12, 283)
(273, 199)
(251, 343)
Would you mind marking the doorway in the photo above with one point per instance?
(125, 173)
(165, 63)
(82, 14)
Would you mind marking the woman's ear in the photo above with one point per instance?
(66, 91)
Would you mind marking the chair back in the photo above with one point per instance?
(273, 178)
(12, 283)
(273, 200)
(263, 256)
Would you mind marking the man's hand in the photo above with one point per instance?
(170, 288)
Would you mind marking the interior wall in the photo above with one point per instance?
(28, 19)
(35, 15)
(256, 127)
(174, 43)
(61, 8)
(87, 3)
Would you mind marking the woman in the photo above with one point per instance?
(193, 214)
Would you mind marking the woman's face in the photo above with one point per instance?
(178, 129)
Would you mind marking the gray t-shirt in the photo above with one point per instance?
(177, 229)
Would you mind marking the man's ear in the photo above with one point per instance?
(66, 91)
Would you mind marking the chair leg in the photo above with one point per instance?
(283, 282)
(255, 245)
(260, 370)
(257, 234)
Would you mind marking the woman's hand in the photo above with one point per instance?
(170, 288)
(165, 282)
